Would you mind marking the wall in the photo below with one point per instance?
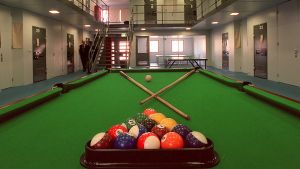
(199, 46)
(17, 66)
(283, 59)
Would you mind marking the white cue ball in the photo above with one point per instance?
(148, 78)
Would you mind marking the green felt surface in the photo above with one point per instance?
(247, 132)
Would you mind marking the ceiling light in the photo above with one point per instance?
(234, 13)
(87, 26)
(214, 23)
(54, 12)
(187, 29)
(143, 29)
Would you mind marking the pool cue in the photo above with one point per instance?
(158, 98)
(168, 86)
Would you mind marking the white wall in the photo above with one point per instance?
(199, 46)
(18, 63)
(283, 60)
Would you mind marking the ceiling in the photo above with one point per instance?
(117, 3)
(244, 7)
(68, 13)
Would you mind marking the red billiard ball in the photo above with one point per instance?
(172, 140)
(115, 130)
(149, 111)
(148, 141)
(159, 130)
(101, 141)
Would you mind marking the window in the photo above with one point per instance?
(154, 46)
(105, 15)
(177, 45)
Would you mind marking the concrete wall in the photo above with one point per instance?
(283, 43)
(17, 68)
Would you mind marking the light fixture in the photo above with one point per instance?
(187, 29)
(143, 29)
(214, 23)
(54, 12)
(87, 26)
(234, 13)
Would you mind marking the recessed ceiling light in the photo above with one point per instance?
(187, 29)
(214, 23)
(54, 12)
(143, 29)
(87, 26)
(234, 13)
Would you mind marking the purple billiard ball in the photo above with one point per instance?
(125, 141)
(182, 130)
(195, 140)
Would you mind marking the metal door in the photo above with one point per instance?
(260, 51)
(39, 54)
(70, 53)
(225, 51)
(190, 11)
(142, 51)
(150, 11)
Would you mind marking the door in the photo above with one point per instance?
(225, 52)
(260, 51)
(150, 11)
(190, 11)
(142, 51)
(39, 54)
(70, 53)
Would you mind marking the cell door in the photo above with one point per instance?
(225, 51)
(70, 53)
(142, 51)
(39, 54)
(150, 11)
(190, 11)
(260, 51)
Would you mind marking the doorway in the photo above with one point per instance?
(260, 51)
(39, 54)
(225, 52)
(70, 53)
(142, 51)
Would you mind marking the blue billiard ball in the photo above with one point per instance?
(195, 140)
(125, 141)
(182, 130)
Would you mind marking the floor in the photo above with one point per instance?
(16, 93)
(13, 94)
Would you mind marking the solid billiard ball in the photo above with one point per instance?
(137, 130)
(157, 117)
(129, 123)
(159, 130)
(172, 140)
(140, 117)
(101, 141)
(148, 78)
(168, 123)
(125, 141)
(182, 130)
(148, 141)
(149, 111)
(148, 123)
(115, 130)
(195, 139)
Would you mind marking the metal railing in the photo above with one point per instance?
(89, 6)
(205, 7)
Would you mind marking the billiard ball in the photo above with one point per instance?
(125, 141)
(148, 78)
(157, 117)
(159, 130)
(129, 123)
(140, 117)
(101, 141)
(149, 111)
(195, 139)
(168, 123)
(148, 123)
(137, 130)
(115, 130)
(148, 141)
(182, 130)
(172, 140)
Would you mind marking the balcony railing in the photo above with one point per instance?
(205, 7)
(96, 8)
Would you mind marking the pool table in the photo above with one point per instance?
(250, 128)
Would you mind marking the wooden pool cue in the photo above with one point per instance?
(168, 86)
(158, 98)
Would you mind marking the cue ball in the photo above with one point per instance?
(148, 78)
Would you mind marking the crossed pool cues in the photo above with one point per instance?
(155, 95)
